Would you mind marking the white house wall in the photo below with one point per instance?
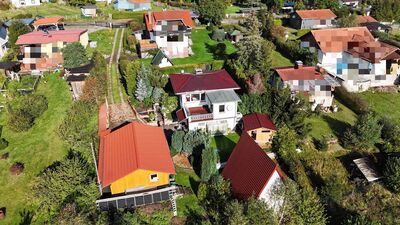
(25, 3)
(267, 194)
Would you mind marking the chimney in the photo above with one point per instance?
(298, 64)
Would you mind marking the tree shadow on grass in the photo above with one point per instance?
(194, 184)
(338, 127)
(225, 147)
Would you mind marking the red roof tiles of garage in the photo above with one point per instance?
(131, 147)
(249, 168)
(316, 14)
(216, 80)
(257, 120)
(48, 20)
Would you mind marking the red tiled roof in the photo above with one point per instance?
(131, 147)
(48, 20)
(151, 18)
(302, 73)
(248, 168)
(365, 19)
(180, 114)
(316, 14)
(257, 120)
(215, 80)
(40, 37)
(139, 1)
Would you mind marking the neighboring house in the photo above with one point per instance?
(76, 78)
(208, 101)
(161, 60)
(252, 173)
(171, 31)
(351, 3)
(235, 36)
(260, 127)
(89, 10)
(353, 56)
(3, 39)
(49, 23)
(313, 19)
(25, 3)
(133, 158)
(132, 5)
(372, 24)
(41, 50)
(288, 7)
(27, 21)
(309, 81)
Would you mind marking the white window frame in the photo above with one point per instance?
(153, 179)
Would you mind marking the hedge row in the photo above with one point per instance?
(351, 100)
(189, 68)
(292, 50)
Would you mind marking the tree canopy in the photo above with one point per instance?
(15, 30)
(212, 11)
(74, 55)
(392, 173)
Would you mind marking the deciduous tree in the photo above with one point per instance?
(74, 55)
(15, 30)
(212, 11)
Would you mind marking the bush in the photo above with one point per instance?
(24, 111)
(218, 35)
(321, 144)
(177, 140)
(3, 143)
(392, 173)
(278, 22)
(5, 5)
(351, 100)
(134, 25)
(23, 16)
(293, 51)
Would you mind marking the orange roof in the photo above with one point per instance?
(48, 20)
(357, 41)
(365, 19)
(151, 18)
(132, 147)
(316, 14)
(300, 73)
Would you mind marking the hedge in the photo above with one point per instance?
(351, 100)
(189, 68)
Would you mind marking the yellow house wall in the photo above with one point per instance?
(262, 136)
(137, 179)
(84, 39)
(394, 68)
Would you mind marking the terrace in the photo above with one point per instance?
(199, 113)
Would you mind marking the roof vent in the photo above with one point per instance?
(198, 71)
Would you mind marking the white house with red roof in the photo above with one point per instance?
(252, 173)
(313, 19)
(308, 81)
(355, 57)
(171, 31)
(41, 50)
(208, 101)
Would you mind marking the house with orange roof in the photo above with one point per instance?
(252, 173)
(132, 5)
(133, 158)
(171, 31)
(49, 23)
(354, 57)
(313, 19)
(306, 80)
(41, 50)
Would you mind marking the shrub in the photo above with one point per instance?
(23, 16)
(278, 22)
(3, 143)
(131, 39)
(177, 140)
(5, 5)
(351, 100)
(321, 144)
(134, 25)
(220, 50)
(293, 51)
(392, 173)
(218, 35)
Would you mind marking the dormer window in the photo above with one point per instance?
(154, 177)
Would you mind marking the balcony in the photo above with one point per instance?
(199, 113)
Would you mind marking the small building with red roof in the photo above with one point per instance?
(260, 127)
(313, 19)
(307, 80)
(252, 173)
(41, 50)
(49, 23)
(171, 31)
(132, 158)
(208, 100)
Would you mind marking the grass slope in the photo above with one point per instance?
(225, 145)
(385, 104)
(37, 148)
(278, 60)
(45, 10)
(105, 40)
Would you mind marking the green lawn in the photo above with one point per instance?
(105, 39)
(331, 124)
(232, 9)
(203, 48)
(385, 104)
(26, 82)
(37, 148)
(187, 203)
(278, 60)
(45, 10)
(225, 145)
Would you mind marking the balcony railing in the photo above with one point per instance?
(208, 116)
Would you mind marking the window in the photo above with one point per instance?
(195, 97)
(153, 178)
(222, 108)
(203, 97)
(266, 131)
(188, 98)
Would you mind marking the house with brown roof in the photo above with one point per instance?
(372, 24)
(41, 50)
(354, 57)
(171, 31)
(207, 101)
(313, 19)
(252, 173)
(308, 81)
(133, 158)
(260, 127)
